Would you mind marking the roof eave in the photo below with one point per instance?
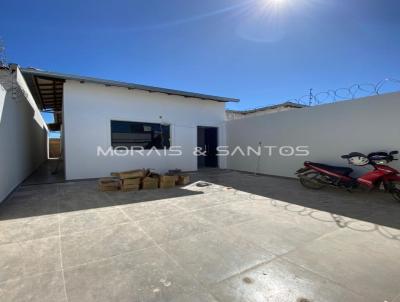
(128, 85)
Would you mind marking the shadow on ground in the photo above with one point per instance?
(375, 207)
(39, 200)
(50, 172)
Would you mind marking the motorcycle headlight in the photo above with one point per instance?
(358, 160)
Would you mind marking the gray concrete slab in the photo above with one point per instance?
(353, 262)
(27, 258)
(244, 237)
(30, 228)
(80, 221)
(145, 211)
(281, 281)
(175, 227)
(147, 275)
(93, 245)
(225, 215)
(213, 256)
(47, 287)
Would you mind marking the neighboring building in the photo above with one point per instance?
(239, 114)
(95, 115)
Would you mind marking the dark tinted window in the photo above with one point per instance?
(135, 134)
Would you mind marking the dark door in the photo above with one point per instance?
(207, 140)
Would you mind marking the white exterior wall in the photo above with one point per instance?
(23, 133)
(363, 125)
(89, 109)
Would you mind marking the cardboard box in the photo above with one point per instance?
(183, 180)
(174, 173)
(130, 181)
(108, 189)
(128, 188)
(108, 184)
(167, 181)
(130, 184)
(150, 183)
(131, 174)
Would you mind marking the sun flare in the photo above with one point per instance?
(275, 5)
(277, 2)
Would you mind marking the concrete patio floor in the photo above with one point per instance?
(244, 238)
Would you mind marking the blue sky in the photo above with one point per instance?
(261, 51)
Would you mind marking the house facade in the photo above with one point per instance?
(109, 126)
(95, 115)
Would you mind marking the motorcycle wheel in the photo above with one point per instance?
(395, 190)
(310, 180)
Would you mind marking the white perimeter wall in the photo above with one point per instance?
(89, 109)
(363, 125)
(23, 133)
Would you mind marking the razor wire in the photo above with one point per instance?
(352, 92)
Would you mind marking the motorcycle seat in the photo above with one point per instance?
(335, 169)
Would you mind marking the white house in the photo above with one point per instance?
(99, 115)
(100, 119)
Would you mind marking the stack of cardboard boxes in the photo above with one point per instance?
(142, 179)
(130, 180)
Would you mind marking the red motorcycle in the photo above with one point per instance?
(316, 175)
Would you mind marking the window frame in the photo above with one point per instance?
(140, 122)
